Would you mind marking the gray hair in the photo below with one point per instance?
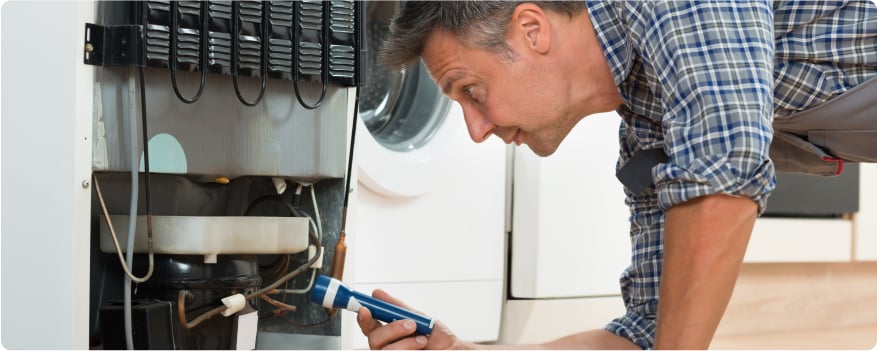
(479, 24)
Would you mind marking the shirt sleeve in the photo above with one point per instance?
(713, 67)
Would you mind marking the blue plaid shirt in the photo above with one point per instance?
(703, 80)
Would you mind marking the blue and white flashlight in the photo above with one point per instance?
(332, 293)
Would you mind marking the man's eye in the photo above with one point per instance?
(469, 90)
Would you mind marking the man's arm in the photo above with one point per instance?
(401, 335)
(715, 63)
(704, 243)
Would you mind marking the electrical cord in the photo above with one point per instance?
(319, 230)
(263, 53)
(202, 41)
(127, 310)
(132, 218)
(316, 212)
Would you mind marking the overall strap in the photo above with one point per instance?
(636, 174)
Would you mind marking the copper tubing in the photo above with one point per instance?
(181, 298)
(278, 304)
(338, 260)
(181, 311)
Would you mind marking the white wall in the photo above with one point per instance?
(866, 230)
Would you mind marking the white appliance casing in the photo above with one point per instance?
(47, 147)
(570, 224)
(428, 227)
(570, 237)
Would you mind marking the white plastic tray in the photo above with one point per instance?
(210, 236)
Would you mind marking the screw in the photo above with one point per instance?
(89, 47)
(85, 184)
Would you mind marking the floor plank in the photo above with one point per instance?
(850, 338)
(802, 306)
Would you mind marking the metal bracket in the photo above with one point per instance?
(113, 45)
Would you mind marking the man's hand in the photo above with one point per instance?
(704, 243)
(400, 335)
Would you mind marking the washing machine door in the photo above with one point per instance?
(406, 137)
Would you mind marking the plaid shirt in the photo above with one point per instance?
(703, 81)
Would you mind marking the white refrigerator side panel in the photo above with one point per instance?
(46, 189)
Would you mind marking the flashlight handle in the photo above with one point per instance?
(387, 312)
(331, 293)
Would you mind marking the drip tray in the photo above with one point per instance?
(210, 236)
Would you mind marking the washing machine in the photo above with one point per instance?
(427, 212)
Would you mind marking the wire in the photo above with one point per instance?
(146, 172)
(202, 41)
(263, 52)
(350, 154)
(171, 326)
(128, 325)
(317, 211)
(304, 290)
(316, 226)
(183, 294)
(319, 230)
(276, 269)
(130, 275)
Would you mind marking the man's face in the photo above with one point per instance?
(519, 100)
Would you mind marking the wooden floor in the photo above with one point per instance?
(802, 306)
(849, 338)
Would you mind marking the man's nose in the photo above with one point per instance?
(480, 128)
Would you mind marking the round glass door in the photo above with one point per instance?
(402, 110)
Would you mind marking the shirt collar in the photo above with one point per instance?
(611, 36)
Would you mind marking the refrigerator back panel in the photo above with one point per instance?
(232, 88)
(217, 135)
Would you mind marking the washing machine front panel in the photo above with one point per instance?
(409, 130)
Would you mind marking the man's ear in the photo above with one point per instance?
(530, 25)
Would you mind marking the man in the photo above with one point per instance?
(697, 85)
